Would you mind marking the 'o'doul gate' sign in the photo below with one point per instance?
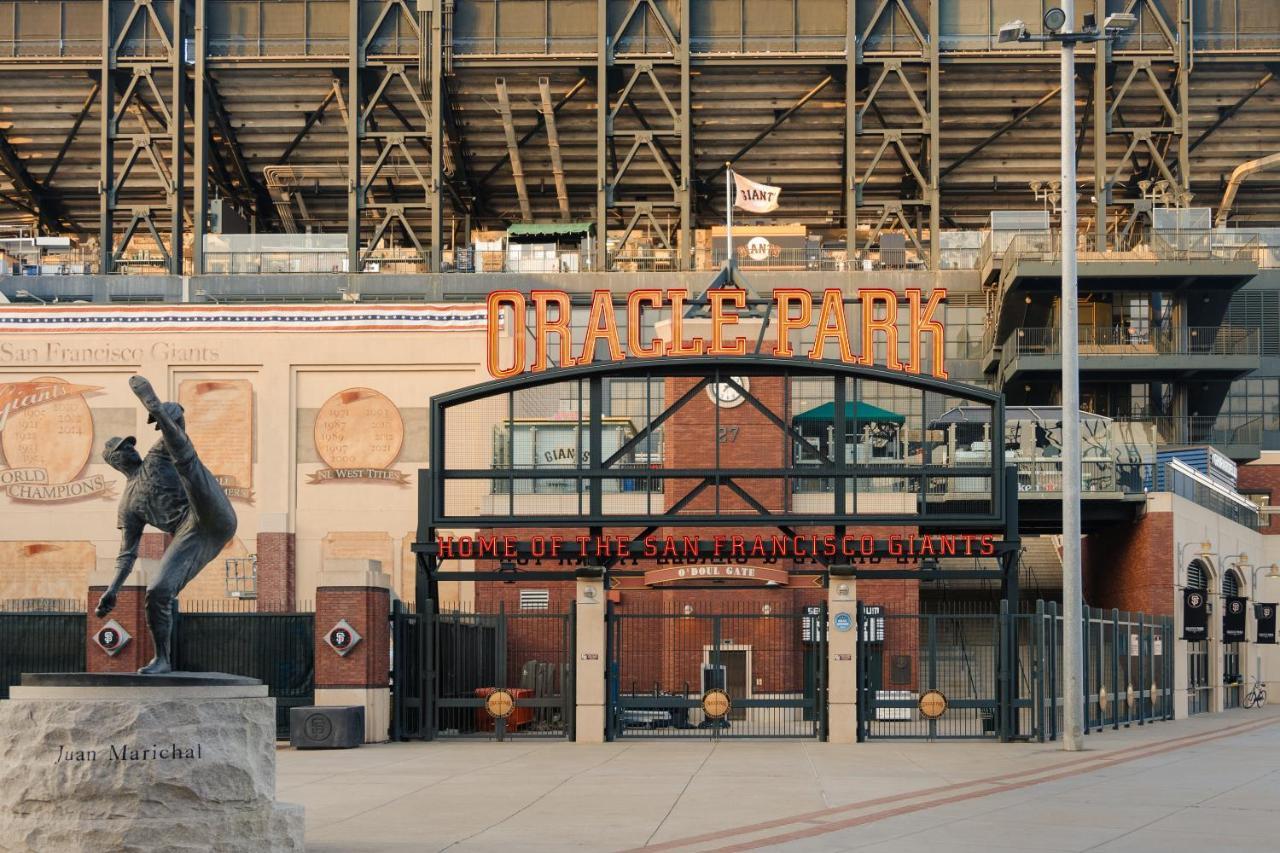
(793, 310)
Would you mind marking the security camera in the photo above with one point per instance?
(1013, 31)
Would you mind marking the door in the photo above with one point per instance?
(1198, 687)
(737, 663)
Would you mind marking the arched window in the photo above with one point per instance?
(1231, 583)
(1197, 576)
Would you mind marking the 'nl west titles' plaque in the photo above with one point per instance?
(358, 434)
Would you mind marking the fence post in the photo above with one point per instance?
(1004, 694)
(1054, 638)
(842, 655)
(590, 655)
(358, 593)
(1084, 661)
(1143, 668)
(1115, 668)
(1038, 669)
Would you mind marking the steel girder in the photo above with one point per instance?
(141, 44)
(914, 145)
(645, 68)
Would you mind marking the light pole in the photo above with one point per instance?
(1058, 26)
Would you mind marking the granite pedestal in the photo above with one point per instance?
(105, 761)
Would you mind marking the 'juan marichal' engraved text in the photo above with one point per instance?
(126, 752)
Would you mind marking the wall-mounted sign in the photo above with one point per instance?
(46, 431)
(219, 415)
(342, 638)
(112, 637)
(358, 434)
(716, 704)
(843, 621)
(932, 704)
(753, 574)
(1265, 614)
(1195, 615)
(500, 704)
(1233, 619)
(793, 311)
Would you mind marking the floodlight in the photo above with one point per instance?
(1144, 185)
(1035, 186)
(1120, 21)
(1015, 30)
(1054, 19)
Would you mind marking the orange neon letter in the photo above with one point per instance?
(676, 345)
(889, 325)
(601, 313)
(720, 318)
(544, 328)
(497, 299)
(653, 298)
(784, 298)
(831, 324)
(925, 322)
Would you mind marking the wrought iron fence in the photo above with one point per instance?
(770, 664)
(277, 648)
(35, 641)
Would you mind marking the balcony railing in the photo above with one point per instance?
(1218, 430)
(1130, 341)
(1198, 490)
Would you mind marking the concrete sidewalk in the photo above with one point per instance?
(1202, 784)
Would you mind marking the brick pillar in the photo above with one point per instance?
(589, 667)
(276, 571)
(153, 544)
(130, 614)
(359, 593)
(842, 659)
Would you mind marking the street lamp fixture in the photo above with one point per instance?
(1058, 27)
(27, 294)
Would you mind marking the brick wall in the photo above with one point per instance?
(275, 572)
(130, 614)
(365, 609)
(1131, 568)
(1263, 478)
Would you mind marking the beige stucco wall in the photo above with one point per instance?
(48, 548)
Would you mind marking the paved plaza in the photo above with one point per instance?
(1207, 783)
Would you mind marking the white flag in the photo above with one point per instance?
(757, 198)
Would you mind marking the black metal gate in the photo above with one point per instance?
(277, 648)
(447, 665)
(39, 642)
(772, 665)
(904, 656)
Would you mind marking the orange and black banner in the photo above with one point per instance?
(1266, 616)
(1195, 614)
(1233, 619)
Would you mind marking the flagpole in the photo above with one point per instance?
(728, 215)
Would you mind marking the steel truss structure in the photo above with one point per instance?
(405, 123)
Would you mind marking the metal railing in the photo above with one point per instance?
(1163, 340)
(1043, 476)
(1218, 430)
(1190, 245)
(1242, 512)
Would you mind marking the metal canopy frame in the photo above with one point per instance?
(434, 515)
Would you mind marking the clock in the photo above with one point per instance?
(725, 395)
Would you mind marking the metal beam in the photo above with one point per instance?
(850, 188)
(436, 129)
(513, 149)
(1101, 188)
(1018, 119)
(200, 133)
(177, 140)
(604, 58)
(85, 108)
(933, 190)
(1225, 114)
(261, 198)
(49, 208)
(106, 171)
(553, 144)
(774, 125)
(534, 131)
(684, 242)
(310, 120)
(355, 192)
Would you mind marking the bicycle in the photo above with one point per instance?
(1257, 695)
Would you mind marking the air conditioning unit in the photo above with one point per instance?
(326, 727)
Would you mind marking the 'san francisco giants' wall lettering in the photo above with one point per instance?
(358, 434)
(46, 430)
(793, 312)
